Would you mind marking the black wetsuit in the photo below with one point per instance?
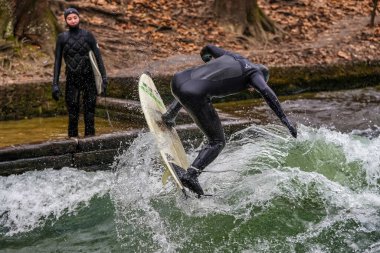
(226, 74)
(75, 45)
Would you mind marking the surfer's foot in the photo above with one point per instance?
(168, 119)
(189, 179)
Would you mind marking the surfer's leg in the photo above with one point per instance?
(208, 121)
(72, 103)
(193, 96)
(89, 104)
(179, 79)
(200, 108)
(172, 111)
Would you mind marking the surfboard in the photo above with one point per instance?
(167, 139)
(95, 69)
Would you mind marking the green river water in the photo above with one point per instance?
(44, 129)
(271, 193)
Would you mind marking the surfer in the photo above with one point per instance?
(224, 73)
(74, 45)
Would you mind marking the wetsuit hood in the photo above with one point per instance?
(69, 11)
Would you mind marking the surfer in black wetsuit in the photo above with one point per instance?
(224, 73)
(74, 45)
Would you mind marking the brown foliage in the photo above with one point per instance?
(132, 32)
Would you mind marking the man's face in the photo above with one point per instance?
(72, 20)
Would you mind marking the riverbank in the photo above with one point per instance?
(132, 36)
(89, 154)
(326, 49)
(350, 111)
(33, 99)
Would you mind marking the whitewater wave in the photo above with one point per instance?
(29, 200)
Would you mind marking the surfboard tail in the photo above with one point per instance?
(165, 176)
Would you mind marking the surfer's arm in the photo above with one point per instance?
(95, 48)
(211, 51)
(172, 111)
(58, 60)
(57, 67)
(257, 82)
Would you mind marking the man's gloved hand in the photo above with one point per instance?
(170, 122)
(291, 127)
(292, 130)
(56, 92)
(104, 92)
(206, 57)
(104, 87)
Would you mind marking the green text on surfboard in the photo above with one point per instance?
(149, 91)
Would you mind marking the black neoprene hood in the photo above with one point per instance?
(69, 11)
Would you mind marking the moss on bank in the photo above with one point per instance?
(28, 100)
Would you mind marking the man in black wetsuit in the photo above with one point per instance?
(74, 45)
(224, 73)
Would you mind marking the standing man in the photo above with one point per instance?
(224, 73)
(74, 45)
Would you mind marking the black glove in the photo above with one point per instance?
(104, 92)
(170, 122)
(206, 57)
(104, 86)
(56, 92)
(292, 130)
(291, 127)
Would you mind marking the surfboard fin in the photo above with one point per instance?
(165, 176)
(185, 193)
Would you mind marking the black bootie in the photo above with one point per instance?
(189, 178)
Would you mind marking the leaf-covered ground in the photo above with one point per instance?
(167, 35)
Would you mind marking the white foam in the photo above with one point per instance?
(138, 182)
(28, 200)
(356, 148)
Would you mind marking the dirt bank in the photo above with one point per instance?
(167, 36)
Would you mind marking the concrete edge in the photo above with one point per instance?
(90, 154)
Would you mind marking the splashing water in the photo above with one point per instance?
(30, 199)
(271, 193)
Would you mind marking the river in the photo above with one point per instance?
(271, 193)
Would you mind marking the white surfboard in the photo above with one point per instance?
(95, 69)
(167, 139)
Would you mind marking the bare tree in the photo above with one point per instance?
(28, 20)
(246, 18)
(373, 13)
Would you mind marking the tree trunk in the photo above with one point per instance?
(373, 13)
(30, 21)
(246, 18)
(6, 11)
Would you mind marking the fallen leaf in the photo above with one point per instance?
(344, 55)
